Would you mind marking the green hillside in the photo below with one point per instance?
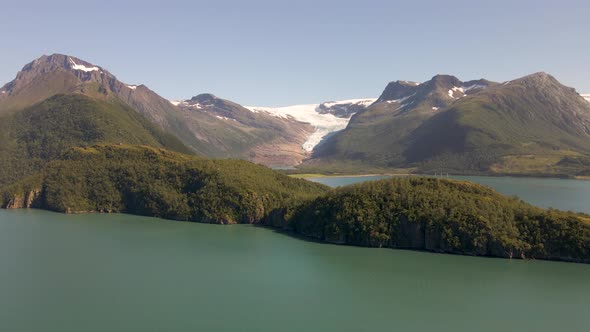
(443, 216)
(157, 182)
(529, 126)
(33, 136)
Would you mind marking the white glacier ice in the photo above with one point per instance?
(324, 124)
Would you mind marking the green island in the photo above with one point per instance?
(442, 215)
(436, 215)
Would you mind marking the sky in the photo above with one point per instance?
(277, 53)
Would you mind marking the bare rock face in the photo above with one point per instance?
(345, 108)
(568, 109)
(29, 199)
(58, 73)
(237, 132)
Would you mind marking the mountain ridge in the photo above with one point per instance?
(476, 126)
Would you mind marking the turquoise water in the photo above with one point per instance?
(564, 194)
(119, 272)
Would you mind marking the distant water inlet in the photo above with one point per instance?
(563, 194)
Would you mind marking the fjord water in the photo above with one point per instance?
(119, 272)
(563, 194)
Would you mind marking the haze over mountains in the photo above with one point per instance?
(531, 125)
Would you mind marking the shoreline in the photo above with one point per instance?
(520, 176)
(302, 237)
(311, 176)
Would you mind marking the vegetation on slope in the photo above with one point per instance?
(415, 213)
(31, 137)
(442, 216)
(529, 126)
(156, 182)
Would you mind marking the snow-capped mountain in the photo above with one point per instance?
(326, 118)
(236, 132)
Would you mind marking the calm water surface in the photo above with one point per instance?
(125, 273)
(564, 194)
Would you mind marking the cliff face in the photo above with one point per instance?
(28, 199)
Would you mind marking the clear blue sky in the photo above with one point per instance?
(274, 53)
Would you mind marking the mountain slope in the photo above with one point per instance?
(525, 126)
(236, 132)
(42, 132)
(63, 74)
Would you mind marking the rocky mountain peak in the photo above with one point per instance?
(55, 62)
(204, 98)
(539, 79)
(397, 90)
(443, 80)
(54, 69)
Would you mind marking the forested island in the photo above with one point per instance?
(443, 215)
(436, 215)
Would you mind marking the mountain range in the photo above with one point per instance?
(75, 139)
(529, 126)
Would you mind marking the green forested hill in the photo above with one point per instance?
(415, 213)
(33, 136)
(529, 126)
(157, 182)
(443, 216)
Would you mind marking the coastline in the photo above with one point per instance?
(531, 176)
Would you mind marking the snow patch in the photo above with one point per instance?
(224, 118)
(410, 83)
(401, 100)
(464, 89)
(184, 103)
(132, 87)
(474, 86)
(435, 108)
(455, 89)
(586, 96)
(361, 102)
(324, 124)
(82, 67)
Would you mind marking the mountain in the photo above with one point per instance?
(282, 136)
(64, 74)
(236, 132)
(531, 125)
(40, 133)
(209, 125)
